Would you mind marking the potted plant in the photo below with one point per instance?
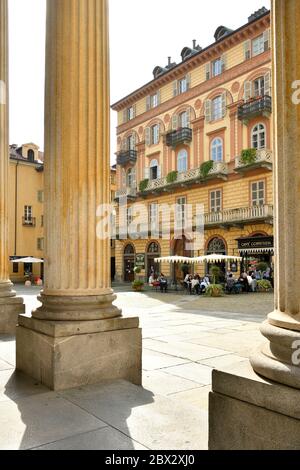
(185, 269)
(138, 286)
(248, 156)
(172, 177)
(215, 289)
(264, 285)
(205, 169)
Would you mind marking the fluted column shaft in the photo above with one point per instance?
(5, 284)
(277, 360)
(77, 160)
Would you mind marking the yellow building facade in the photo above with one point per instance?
(201, 133)
(26, 210)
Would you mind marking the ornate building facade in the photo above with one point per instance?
(201, 133)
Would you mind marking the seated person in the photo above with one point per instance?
(151, 280)
(195, 284)
(163, 283)
(188, 282)
(230, 284)
(204, 284)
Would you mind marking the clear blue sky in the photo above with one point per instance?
(143, 34)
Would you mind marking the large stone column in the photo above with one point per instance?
(259, 405)
(77, 336)
(10, 305)
(278, 358)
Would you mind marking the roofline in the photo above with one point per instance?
(119, 103)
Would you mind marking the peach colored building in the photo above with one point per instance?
(201, 132)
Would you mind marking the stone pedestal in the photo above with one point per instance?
(10, 306)
(64, 355)
(247, 412)
(77, 336)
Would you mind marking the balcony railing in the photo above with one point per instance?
(239, 216)
(29, 222)
(256, 107)
(181, 136)
(127, 156)
(263, 158)
(219, 170)
(130, 193)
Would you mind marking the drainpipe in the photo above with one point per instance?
(16, 207)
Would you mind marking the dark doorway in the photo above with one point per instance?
(129, 263)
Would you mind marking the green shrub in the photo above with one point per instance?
(248, 156)
(138, 285)
(215, 272)
(137, 270)
(205, 168)
(185, 268)
(264, 285)
(143, 185)
(214, 290)
(172, 177)
(262, 266)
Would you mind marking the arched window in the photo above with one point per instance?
(258, 137)
(216, 245)
(154, 248)
(217, 150)
(182, 161)
(30, 155)
(129, 250)
(184, 119)
(154, 170)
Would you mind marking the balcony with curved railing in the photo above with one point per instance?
(239, 216)
(257, 159)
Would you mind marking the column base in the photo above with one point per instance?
(279, 359)
(247, 412)
(10, 309)
(63, 355)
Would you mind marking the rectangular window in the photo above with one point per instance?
(258, 193)
(130, 143)
(28, 213)
(40, 196)
(182, 85)
(130, 113)
(180, 216)
(42, 221)
(217, 108)
(130, 217)
(153, 216)
(216, 201)
(15, 268)
(40, 244)
(259, 87)
(155, 135)
(258, 46)
(217, 67)
(154, 101)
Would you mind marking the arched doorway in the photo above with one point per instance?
(216, 246)
(181, 249)
(129, 263)
(153, 251)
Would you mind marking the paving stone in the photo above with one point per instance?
(197, 397)
(14, 384)
(153, 360)
(196, 372)
(165, 384)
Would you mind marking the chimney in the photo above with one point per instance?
(194, 44)
(169, 61)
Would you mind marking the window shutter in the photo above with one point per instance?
(268, 84)
(188, 117)
(158, 97)
(188, 81)
(267, 39)
(247, 90)
(175, 88)
(208, 71)
(148, 103)
(147, 173)
(148, 136)
(134, 177)
(175, 122)
(133, 140)
(159, 171)
(124, 144)
(123, 177)
(224, 103)
(207, 110)
(158, 132)
(247, 50)
(124, 116)
(224, 62)
(134, 110)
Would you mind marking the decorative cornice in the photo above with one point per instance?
(207, 86)
(211, 52)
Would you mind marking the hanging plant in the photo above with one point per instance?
(143, 185)
(172, 177)
(205, 168)
(248, 156)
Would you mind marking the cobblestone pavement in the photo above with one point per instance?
(185, 337)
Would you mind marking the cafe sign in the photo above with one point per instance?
(256, 244)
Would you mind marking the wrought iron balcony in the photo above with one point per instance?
(129, 193)
(262, 159)
(239, 216)
(261, 106)
(181, 136)
(29, 221)
(218, 170)
(127, 156)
